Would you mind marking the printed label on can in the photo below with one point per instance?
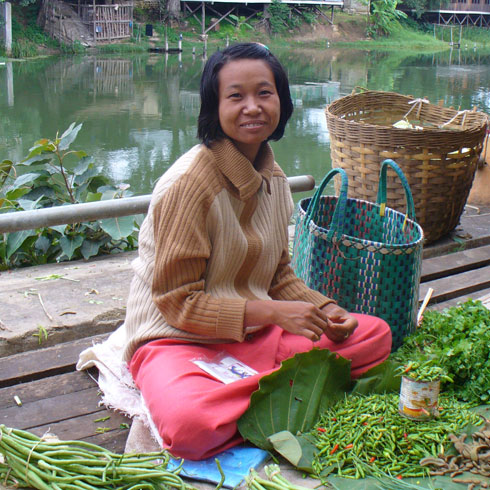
(418, 399)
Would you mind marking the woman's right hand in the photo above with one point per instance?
(297, 317)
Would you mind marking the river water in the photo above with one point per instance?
(139, 111)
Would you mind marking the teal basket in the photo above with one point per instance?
(364, 255)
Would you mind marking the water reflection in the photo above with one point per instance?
(139, 112)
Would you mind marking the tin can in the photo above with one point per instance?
(418, 399)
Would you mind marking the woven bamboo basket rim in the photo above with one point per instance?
(467, 133)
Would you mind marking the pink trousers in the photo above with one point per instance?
(196, 415)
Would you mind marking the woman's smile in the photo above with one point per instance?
(249, 106)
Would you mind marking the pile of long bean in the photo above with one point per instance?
(274, 481)
(50, 464)
(362, 435)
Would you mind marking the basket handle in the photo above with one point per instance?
(336, 225)
(381, 199)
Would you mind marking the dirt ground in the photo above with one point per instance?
(344, 29)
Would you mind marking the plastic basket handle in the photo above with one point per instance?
(336, 224)
(381, 199)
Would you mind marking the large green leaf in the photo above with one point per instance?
(379, 379)
(16, 239)
(34, 159)
(85, 177)
(42, 244)
(292, 397)
(118, 228)
(68, 137)
(14, 194)
(70, 244)
(5, 167)
(83, 165)
(93, 196)
(28, 204)
(24, 179)
(298, 450)
(90, 248)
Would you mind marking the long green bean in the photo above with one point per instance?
(47, 464)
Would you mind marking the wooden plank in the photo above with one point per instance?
(46, 388)
(85, 427)
(457, 286)
(51, 410)
(460, 299)
(115, 440)
(40, 363)
(455, 263)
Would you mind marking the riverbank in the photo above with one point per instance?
(306, 31)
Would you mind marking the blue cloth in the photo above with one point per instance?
(235, 463)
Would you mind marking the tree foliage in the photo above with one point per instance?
(384, 17)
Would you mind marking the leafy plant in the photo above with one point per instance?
(279, 14)
(241, 21)
(458, 339)
(55, 175)
(384, 17)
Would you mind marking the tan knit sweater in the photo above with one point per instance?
(216, 235)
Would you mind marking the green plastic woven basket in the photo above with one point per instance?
(364, 255)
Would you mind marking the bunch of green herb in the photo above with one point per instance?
(458, 340)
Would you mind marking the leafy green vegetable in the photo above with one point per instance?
(458, 339)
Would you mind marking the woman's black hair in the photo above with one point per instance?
(208, 125)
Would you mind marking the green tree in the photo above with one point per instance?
(384, 17)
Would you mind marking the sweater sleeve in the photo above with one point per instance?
(286, 286)
(182, 248)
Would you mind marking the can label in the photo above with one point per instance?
(418, 399)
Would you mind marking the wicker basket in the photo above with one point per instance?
(438, 160)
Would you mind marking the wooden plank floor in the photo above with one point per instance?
(56, 397)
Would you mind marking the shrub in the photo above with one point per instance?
(49, 182)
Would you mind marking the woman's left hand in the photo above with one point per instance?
(341, 324)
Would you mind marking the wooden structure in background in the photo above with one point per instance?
(194, 7)
(86, 21)
(107, 22)
(461, 12)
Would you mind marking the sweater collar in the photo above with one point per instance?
(240, 171)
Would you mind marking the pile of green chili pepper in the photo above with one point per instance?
(423, 369)
(47, 464)
(362, 435)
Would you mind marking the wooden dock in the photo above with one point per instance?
(57, 398)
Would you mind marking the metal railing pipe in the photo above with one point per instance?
(90, 211)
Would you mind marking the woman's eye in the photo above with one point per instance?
(265, 92)
(234, 96)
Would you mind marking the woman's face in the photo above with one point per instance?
(249, 106)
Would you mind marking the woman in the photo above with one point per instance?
(213, 274)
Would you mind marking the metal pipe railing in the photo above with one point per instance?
(90, 211)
